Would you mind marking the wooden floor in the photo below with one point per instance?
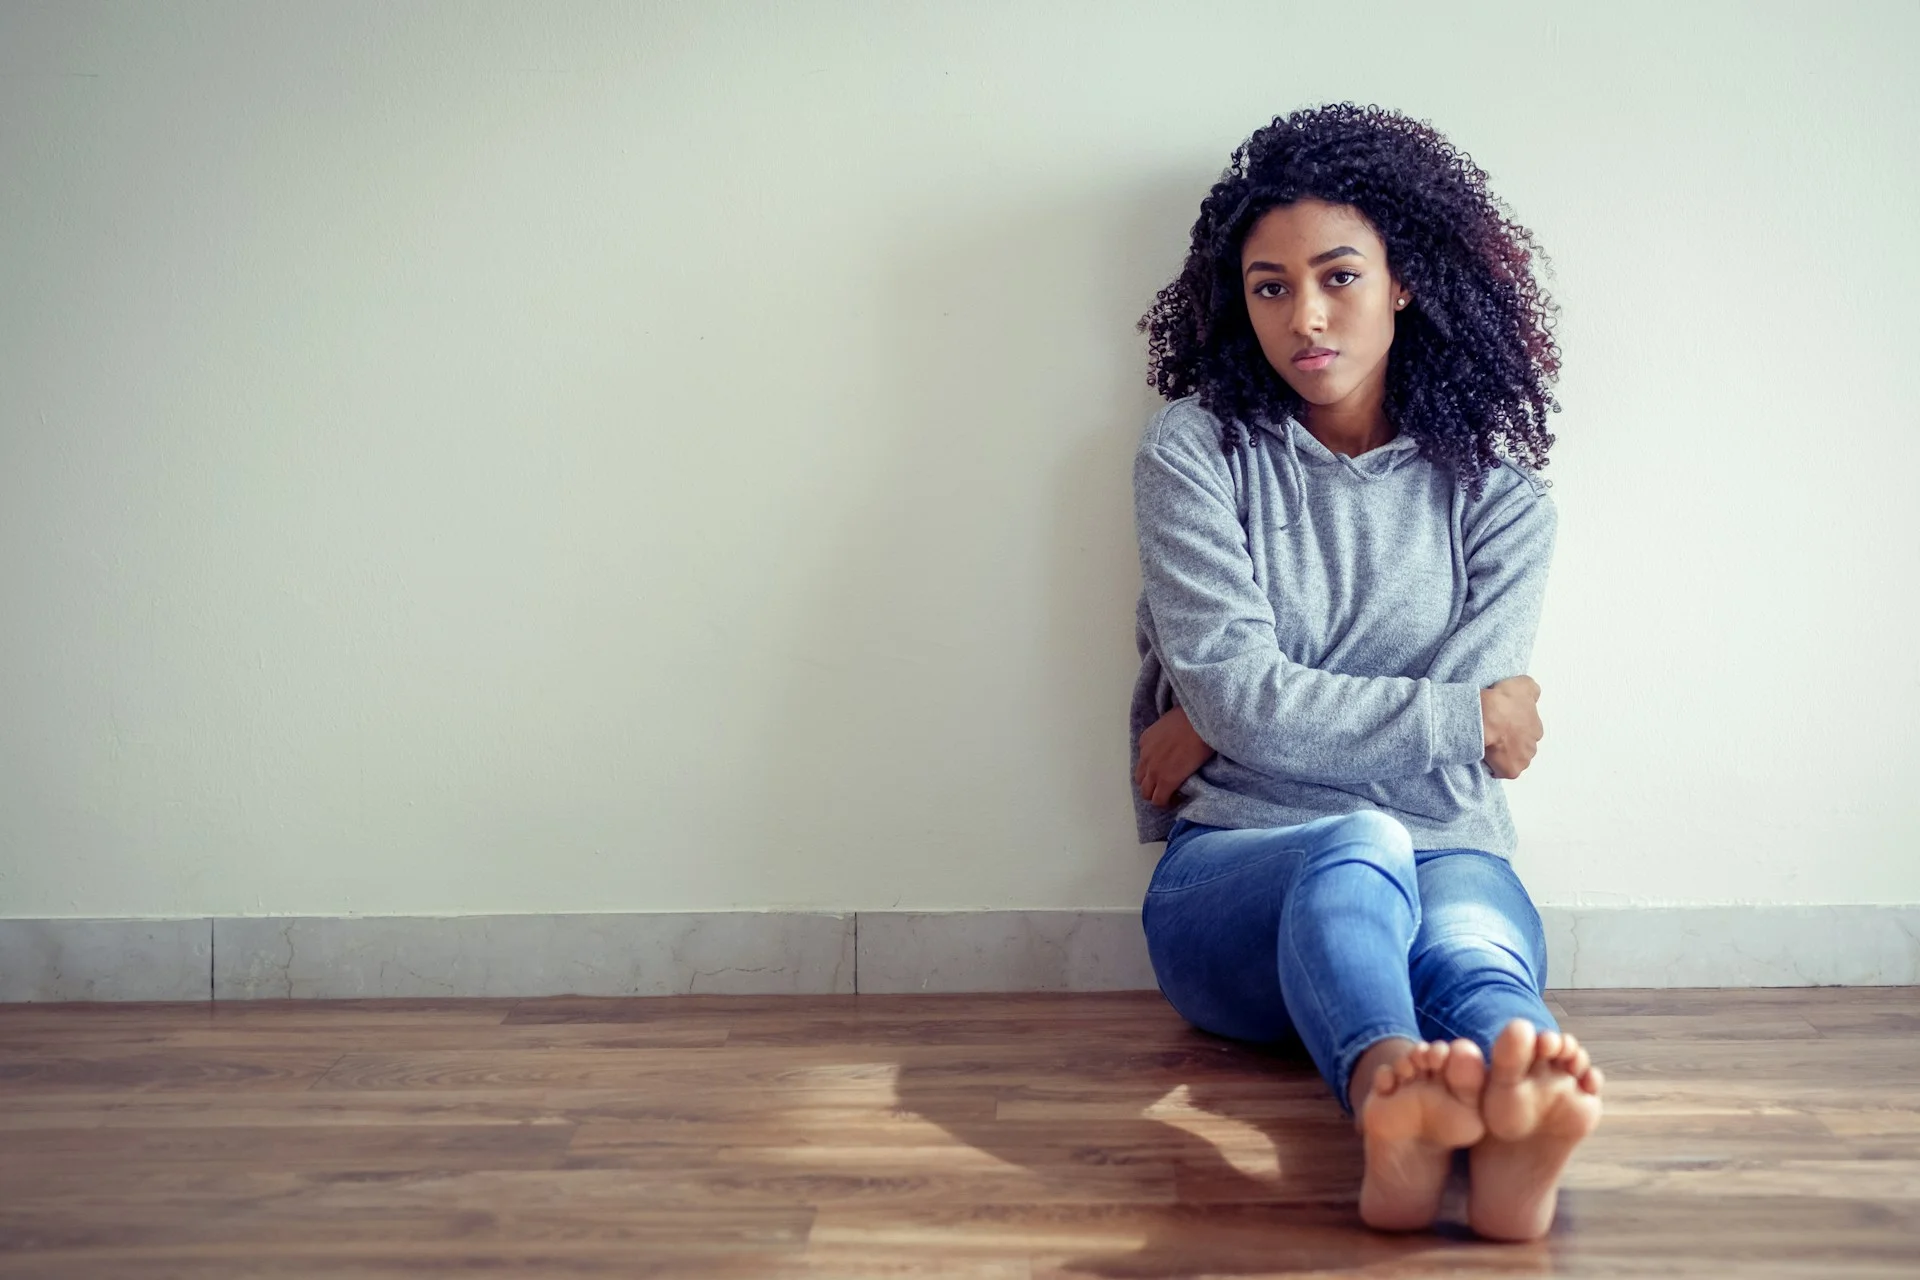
(1748, 1133)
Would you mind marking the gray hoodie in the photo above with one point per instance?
(1328, 623)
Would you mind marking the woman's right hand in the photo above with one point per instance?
(1510, 721)
(1171, 751)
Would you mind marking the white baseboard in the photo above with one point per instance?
(755, 952)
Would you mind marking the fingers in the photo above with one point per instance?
(1156, 788)
(1510, 763)
(1145, 784)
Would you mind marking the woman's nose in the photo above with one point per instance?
(1310, 317)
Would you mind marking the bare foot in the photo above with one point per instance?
(1542, 1098)
(1420, 1108)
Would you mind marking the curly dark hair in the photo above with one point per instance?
(1473, 355)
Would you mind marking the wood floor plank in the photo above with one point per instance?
(944, 1007)
(808, 1069)
(1772, 1133)
(30, 1155)
(102, 1043)
(734, 1105)
(1764, 1023)
(41, 1070)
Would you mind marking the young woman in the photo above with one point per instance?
(1344, 549)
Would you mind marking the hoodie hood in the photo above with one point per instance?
(1300, 450)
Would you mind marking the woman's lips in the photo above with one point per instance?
(1311, 363)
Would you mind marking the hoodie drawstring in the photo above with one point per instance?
(1292, 467)
(1296, 469)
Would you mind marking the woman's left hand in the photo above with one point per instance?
(1170, 753)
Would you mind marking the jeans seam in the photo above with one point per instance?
(1319, 1005)
(1343, 1069)
(1342, 1065)
(1453, 1032)
(1235, 869)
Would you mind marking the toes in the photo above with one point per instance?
(1571, 1056)
(1385, 1079)
(1466, 1071)
(1547, 1047)
(1592, 1080)
(1513, 1052)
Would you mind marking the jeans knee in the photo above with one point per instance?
(1386, 843)
(1372, 839)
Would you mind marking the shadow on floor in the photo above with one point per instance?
(1106, 1132)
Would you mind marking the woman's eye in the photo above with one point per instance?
(1338, 278)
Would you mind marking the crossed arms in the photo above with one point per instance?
(1249, 701)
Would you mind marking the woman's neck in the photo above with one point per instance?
(1349, 429)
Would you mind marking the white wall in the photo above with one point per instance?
(470, 457)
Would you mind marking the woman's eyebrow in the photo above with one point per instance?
(1315, 261)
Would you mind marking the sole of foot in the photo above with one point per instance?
(1542, 1098)
(1420, 1110)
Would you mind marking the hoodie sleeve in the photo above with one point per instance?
(1509, 546)
(1247, 700)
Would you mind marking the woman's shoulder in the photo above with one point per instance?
(1507, 477)
(1184, 425)
(1511, 489)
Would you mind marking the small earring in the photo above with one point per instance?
(1401, 303)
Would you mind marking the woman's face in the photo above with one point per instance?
(1315, 278)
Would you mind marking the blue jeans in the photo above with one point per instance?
(1336, 932)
